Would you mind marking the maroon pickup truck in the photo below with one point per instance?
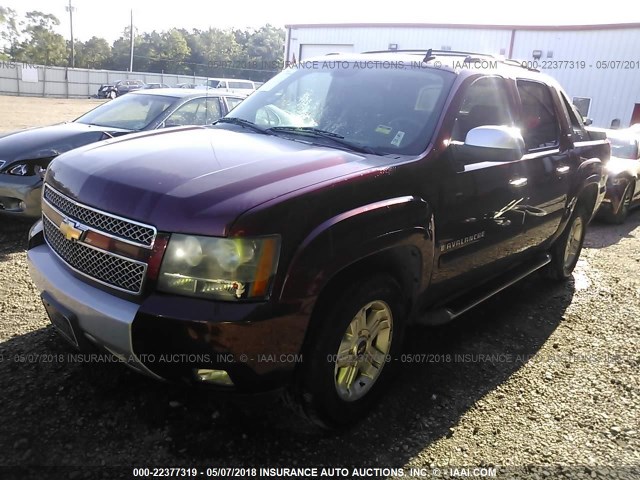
(290, 245)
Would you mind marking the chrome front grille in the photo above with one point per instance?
(112, 270)
(67, 227)
(119, 227)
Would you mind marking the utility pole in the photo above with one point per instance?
(70, 9)
(131, 33)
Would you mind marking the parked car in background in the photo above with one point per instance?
(187, 85)
(623, 183)
(157, 85)
(120, 88)
(232, 85)
(26, 154)
(292, 244)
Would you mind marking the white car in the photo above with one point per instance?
(232, 85)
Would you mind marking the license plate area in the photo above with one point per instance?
(61, 319)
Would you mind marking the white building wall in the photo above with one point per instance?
(613, 91)
(379, 38)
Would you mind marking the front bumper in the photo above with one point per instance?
(170, 337)
(20, 196)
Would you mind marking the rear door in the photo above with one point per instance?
(548, 163)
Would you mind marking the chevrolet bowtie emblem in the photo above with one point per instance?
(69, 229)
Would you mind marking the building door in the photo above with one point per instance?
(309, 50)
(635, 116)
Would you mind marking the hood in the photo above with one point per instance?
(45, 142)
(196, 179)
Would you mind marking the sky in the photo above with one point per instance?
(108, 19)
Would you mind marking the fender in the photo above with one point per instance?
(590, 172)
(402, 223)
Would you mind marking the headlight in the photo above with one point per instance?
(27, 170)
(21, 169)
(219, 268)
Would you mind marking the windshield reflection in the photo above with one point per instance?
(387, 110)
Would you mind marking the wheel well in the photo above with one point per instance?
(401, 263)
(588, 198)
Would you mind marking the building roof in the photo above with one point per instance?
(607, 26)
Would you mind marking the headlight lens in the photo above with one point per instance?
(21, 169)
(219, 268)
(27, 170)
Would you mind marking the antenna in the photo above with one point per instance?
(429, 56)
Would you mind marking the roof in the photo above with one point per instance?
(603, 26)
(453, 61)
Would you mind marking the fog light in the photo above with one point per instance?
(217, 377)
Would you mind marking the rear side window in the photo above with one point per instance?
(485, 102)
(578, 131)
(539, 123)
(233, 102)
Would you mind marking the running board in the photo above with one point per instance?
(446, 314)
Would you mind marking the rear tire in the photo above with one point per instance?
(349, 355)
(623, 210)
(565, 252)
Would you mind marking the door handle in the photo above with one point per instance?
(563, 169)
(518, 182)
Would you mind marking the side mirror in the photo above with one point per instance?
(495, 137)
(489, 143)
(587, 121)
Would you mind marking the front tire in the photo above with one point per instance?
(349, 356)
(565, 252)
(112, 94)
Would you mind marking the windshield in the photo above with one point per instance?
(387, 110)
(129, 112)
(624, 147)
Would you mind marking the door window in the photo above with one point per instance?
(539, 123)
(486, 102)
(201, 111)
(578, 131)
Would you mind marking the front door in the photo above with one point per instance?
(481, 221)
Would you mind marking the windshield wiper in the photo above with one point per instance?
(243, 123)
(334, 137)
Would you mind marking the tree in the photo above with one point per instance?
(172, 52)
(121, 50)
(94, 53)
(41, 44)
(10, 33)
(266, 44)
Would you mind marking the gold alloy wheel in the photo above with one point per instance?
(574, 241)
(363, 351)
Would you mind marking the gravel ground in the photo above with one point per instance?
(539, 382)
(24, 112)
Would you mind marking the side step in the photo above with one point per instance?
(446, 314)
